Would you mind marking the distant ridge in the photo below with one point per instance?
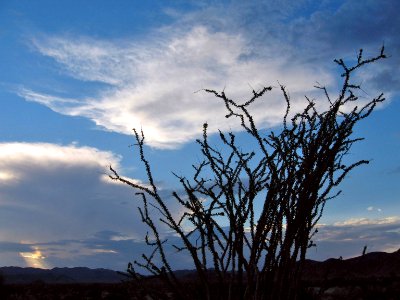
(17, 275)
(370, 265)
(373, 264)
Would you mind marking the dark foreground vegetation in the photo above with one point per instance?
(371, 276)
(271, 190)
(372, 288)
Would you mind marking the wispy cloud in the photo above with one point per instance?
(367, 221)
(372, 208)
(150, 83)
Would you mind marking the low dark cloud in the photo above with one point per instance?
(13, 247)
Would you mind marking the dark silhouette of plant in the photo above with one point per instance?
(289, 174)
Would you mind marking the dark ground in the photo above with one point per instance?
(373, 289)
(374, 276)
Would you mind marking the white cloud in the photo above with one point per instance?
(152, 83)
(372, 208)
(32, 153)
(366, 221)
(50, 192)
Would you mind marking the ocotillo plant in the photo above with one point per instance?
(290, 174)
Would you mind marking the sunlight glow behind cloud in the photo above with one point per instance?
(35, 259)
(7, 176)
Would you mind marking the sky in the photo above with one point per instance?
(77, 76)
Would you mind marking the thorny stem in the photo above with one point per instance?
(291, 176)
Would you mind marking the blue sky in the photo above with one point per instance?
(77, 76)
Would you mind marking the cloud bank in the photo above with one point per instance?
(58, 207)
(50, 192)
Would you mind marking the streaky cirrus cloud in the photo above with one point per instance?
(152, 84)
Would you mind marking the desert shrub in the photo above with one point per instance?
(290, 173)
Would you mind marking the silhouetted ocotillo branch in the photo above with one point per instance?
(271, 197)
